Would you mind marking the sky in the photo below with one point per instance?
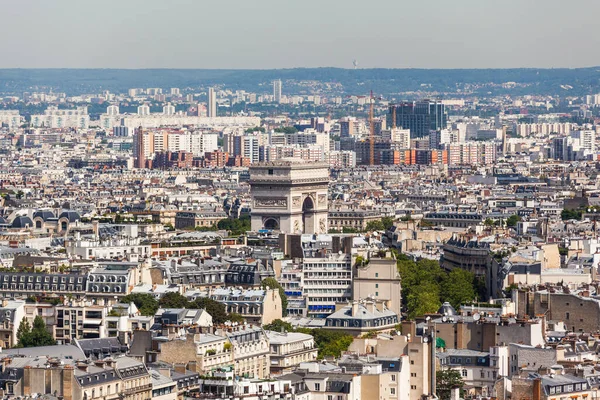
(269, 34)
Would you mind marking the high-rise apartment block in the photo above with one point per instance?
(277, 91)
(212, 103)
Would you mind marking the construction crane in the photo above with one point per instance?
(371, 132)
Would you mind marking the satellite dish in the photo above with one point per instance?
(426, 339)
(444, 319)
(476, 317)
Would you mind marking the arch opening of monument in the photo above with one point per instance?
(308, 215)
(271, 224)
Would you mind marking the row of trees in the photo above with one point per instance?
(329, 342)
(425, 285)
(236, 226)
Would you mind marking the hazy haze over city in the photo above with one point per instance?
(310, 33)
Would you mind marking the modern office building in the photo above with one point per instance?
(419, 117)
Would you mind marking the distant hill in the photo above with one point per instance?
(386, 82)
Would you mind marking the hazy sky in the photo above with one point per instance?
(299, 33)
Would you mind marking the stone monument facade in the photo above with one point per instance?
(290, 196)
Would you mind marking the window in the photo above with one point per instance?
(377, 286)
(329, 397)
(394, 378)
(317, 387)
(464, 372)
(413, 375)
(392, 390)
(413, 387)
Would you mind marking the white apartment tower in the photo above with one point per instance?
(169, 109)
(112, 110)
(144, 109)
(277, 90)
(212, 103)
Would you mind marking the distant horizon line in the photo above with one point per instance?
(295, 68)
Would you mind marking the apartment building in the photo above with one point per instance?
(289, 349)
(327, 280)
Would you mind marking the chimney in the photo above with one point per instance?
(180, 368)
(537, 389)
(95, 229)
(109, 362)
(370, 306)
(82, 366)
(27, 380)
(455, 393)
(354, 308)
(99, 363)
(68, 377)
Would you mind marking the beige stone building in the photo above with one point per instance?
(289, 349)
(204, 351)
(378, 279)
(419, 358)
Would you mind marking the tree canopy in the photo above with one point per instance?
(512, 220)
(446, 380)
(35, 336)
(145, 303)
(425, 286)
(286, 129)
(173, 300)
(278, 325)
(237, 226)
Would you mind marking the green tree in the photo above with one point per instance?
(387, 222)
(23, 333)
(512, 220)
(569, 213)
(39, 333)
(277, 325)
(488, 222)
(34, 336)
(375, 226)
(423, 299)
(235, 317)
(236, 226)
(216, 310)
(146, 303)
(286, 129)
(446, 380)
(458, 287)
(272, 283)
(331, 343)
(256, 129)
(173, 300)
